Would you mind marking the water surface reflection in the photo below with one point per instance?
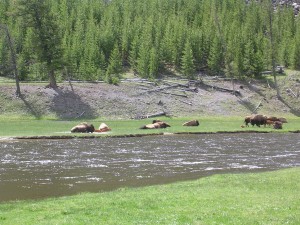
(44, 168)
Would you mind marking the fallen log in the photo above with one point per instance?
(151, 115)
(190, 89)
(179, 95)
(291, 91)
(235, 92)
(80, 115)
(176, 83)
(160, 89)
(188, 103)
(258, 105)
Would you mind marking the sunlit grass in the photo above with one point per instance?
(255, 198)
(26, 126)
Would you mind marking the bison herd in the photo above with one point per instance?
(258, 120)
(156, 124)
(160, 124)
(89, 128)
(255, 120)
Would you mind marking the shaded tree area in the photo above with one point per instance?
(100, 39)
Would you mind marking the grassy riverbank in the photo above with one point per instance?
(254, 198)
(16, 127)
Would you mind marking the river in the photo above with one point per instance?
(33, 169)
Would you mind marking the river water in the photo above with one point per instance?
(32, 169)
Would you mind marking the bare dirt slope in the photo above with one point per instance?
(138, 98)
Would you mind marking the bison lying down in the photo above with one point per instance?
(83, 128)
(156, 124)
(103, 128)
(191, 123)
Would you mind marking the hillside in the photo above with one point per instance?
(134, 98)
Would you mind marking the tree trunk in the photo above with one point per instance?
(270, 9)
(13, 59)
(52, 79)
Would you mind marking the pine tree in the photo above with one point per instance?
(114, 69)
(296, 54)
(216, 57)
(154, 63)
(187, 61)
(143, 61)
(37, 14)
(133, 54)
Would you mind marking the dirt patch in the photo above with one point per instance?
(133, 99)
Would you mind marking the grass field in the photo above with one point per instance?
(254, 198)
(28, 127)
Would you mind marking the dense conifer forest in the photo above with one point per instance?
(100, 39)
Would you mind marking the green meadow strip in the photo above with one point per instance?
(253, 198)
(29, 127)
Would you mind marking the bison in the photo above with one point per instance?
(256, 119)
(269, 122)
(191, 123)
(155, 125)
(272, 118)
(282, 120)
(103, 128)
(83, 128)
(277, 125)
(247, 120)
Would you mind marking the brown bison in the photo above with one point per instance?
(256, 119)
(103, 128)
(269, 122)
(155, 125)
(277, 125)
(247, 120)
(272, 118)
(83, 128)
(191, 123)
(282, 120)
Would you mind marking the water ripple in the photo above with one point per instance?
(43, 168)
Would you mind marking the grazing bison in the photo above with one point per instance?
(282, 120)
(277, 125)
(269, 122)
(272, 118)
(83, 128)
(155, 125)
(258, 120)
(255, 119)
(247, 120)
(191, 123)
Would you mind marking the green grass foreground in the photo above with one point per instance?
(22, 127)
(254, 198)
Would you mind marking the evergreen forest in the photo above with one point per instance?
(101, 39)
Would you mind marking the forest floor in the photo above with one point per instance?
(137, 98)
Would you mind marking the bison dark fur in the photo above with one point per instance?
(155, 125)
(247, 120)
(277, 125)
(83, 128)
(258, 120)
